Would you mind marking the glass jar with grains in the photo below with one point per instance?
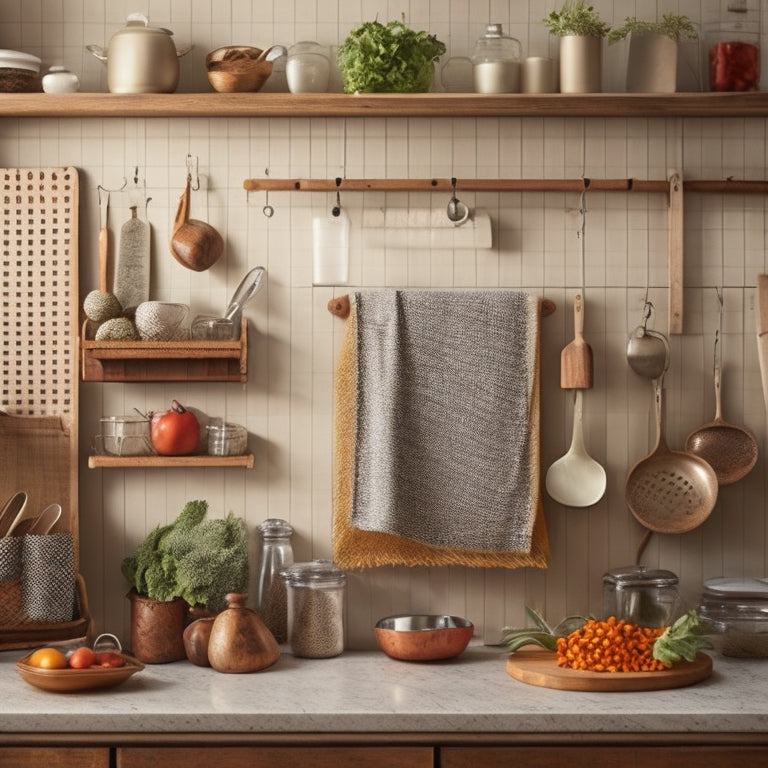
(315, 608)
(276, 554)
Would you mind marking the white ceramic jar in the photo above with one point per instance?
(308, 68)
(60, 80)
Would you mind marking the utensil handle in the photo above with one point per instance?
(578, 316)
(182, 212)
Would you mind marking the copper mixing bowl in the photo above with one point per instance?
(423, 637)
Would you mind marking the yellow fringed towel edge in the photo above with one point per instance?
(355, 549)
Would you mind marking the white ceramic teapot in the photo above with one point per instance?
(140, 58)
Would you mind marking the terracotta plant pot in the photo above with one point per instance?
(157, 629)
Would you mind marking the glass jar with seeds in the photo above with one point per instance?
(315, 609)
(276, 554)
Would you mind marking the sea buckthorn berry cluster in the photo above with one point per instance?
(610, 645)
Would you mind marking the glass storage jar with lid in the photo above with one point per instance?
(315, 608)
(308, 68)
(496, 62)
(276, 555)
(732, 46)
(641, 595)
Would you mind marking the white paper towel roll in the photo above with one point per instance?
(426, 228)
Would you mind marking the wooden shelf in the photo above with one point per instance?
(84, 105)
(190, 360)
(104, 461)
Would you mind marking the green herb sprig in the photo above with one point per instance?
(671, 25)
(576, 18)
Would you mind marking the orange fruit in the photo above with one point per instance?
(48, 658)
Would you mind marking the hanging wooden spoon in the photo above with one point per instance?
(195, 244)
(576, 357)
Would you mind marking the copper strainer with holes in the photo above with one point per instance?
(670, 491)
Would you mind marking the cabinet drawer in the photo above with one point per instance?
(276, 757)
(604, 757)
(54, 757)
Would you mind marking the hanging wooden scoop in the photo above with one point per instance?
(195, 244)
(576, 357)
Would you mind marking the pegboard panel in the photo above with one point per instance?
(38, 295)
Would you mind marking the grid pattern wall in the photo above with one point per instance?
(287, 402)
(39, 290)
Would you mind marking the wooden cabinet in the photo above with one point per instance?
(278, 757)
(609, 756)
(54, 757)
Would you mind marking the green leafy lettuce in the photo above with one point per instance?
(391, 58)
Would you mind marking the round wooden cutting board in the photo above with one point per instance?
(539, 667)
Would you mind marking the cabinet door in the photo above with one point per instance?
(276, 757)
(605, 757)
(54, 757)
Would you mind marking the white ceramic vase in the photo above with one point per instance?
(652, 63)
(581, 64)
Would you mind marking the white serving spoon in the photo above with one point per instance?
(576, 479)
(12, 512)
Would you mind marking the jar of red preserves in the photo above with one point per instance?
(732, 46)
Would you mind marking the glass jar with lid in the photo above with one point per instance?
(732, 46)
(308, 68)
(496, 62)
(315, 608)
(641, 595)
(276, 555)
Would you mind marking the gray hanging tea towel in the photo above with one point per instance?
(443, 435)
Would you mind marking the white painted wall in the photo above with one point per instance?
(287, 401)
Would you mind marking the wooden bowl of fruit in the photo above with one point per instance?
(79, 669)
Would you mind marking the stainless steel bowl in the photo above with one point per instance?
(423, 637)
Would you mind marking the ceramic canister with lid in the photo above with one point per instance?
(315, 608)
(496, 62)
(641, 595)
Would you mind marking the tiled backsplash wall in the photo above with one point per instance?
(287, 402)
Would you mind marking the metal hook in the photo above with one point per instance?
(583, 212)
(336, 210)
(192, 172)
(647, 312)
(267, 210)
(106, 191)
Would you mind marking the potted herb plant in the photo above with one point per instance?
(653, 49)
(581, 32)
(190, 563)
(388, 58)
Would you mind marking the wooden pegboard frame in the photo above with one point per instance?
(39, 291)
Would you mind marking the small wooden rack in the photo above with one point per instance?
(104, 461)
(189, 360)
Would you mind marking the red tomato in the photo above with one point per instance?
(175, 432)
(81, 658)
(108, 659)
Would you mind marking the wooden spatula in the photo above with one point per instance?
(576, 357)
(762, 332)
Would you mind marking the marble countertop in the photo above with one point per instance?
(367, 692)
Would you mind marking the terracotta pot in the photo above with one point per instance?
(157, 629)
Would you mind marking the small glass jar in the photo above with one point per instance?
(496, 62)
(276, 555)
(641, 596)
(308, 68)
(732, 46)
(225, 439)
(315, 608)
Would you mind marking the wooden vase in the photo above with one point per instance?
(157, 629)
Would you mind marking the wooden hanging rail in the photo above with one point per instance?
(340, 306)
(719, 186)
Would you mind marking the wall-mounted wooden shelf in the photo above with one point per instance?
(104, 461)
(83, 105)
(190, 360)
